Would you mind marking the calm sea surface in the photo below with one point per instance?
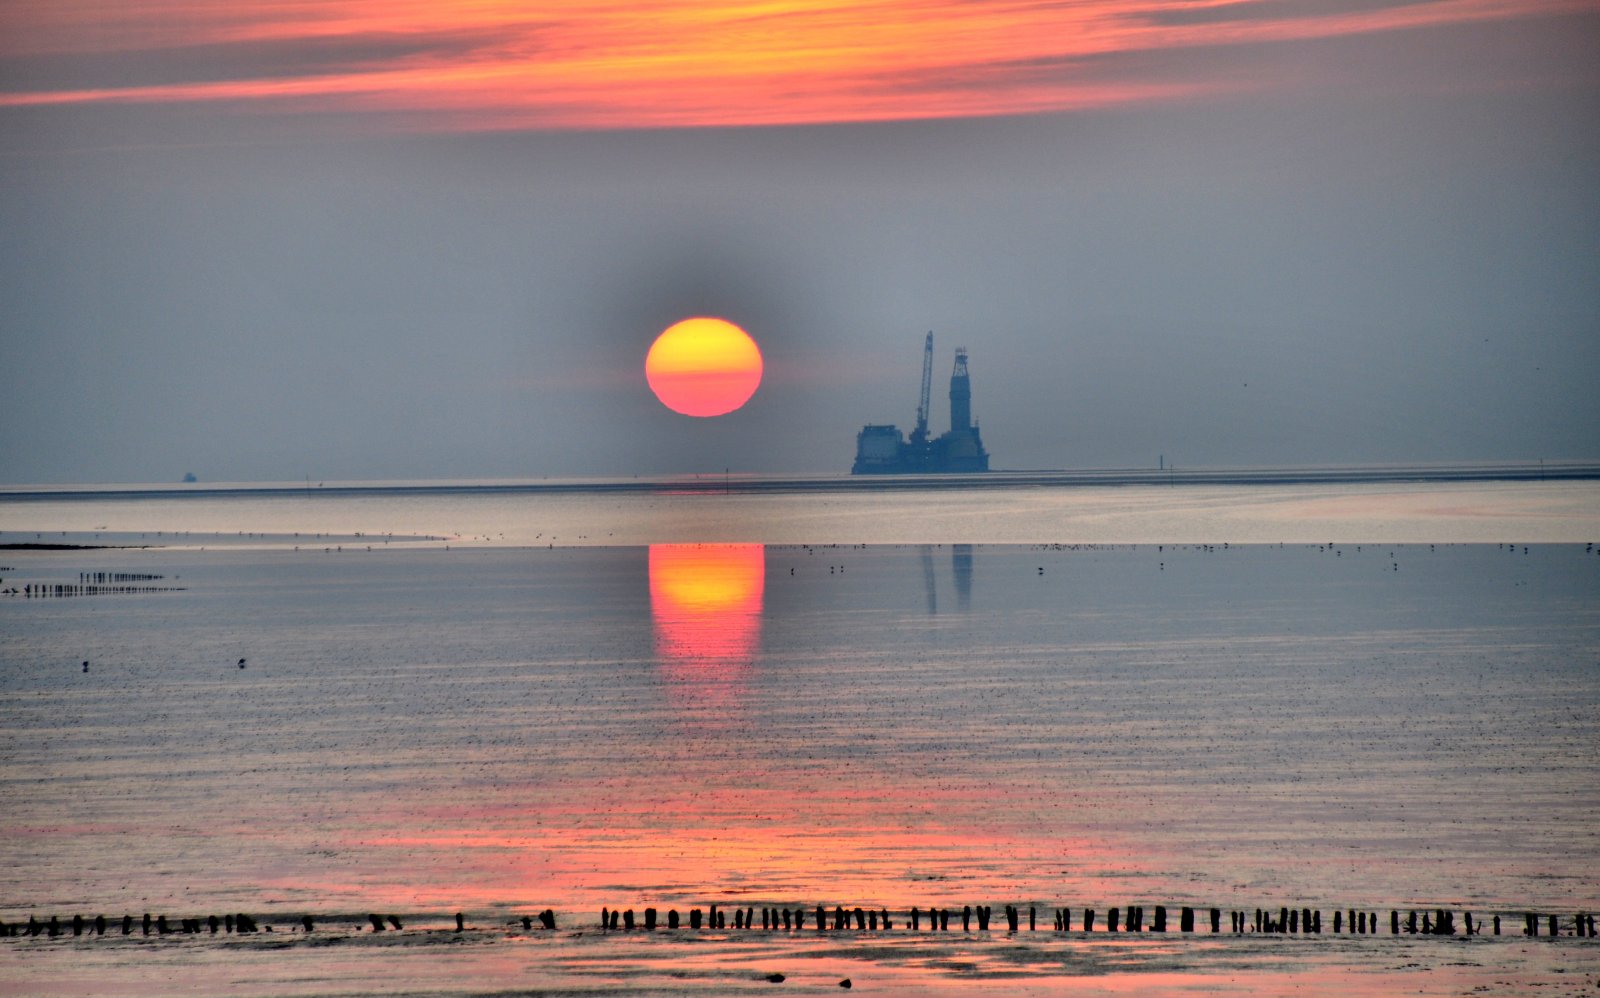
(1241, 698)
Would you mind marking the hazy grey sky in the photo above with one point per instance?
(1367, 245)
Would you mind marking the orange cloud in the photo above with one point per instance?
(493, 64)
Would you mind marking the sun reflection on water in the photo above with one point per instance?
(705, 602)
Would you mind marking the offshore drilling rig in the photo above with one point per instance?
(881, 449)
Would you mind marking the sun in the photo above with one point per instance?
(703, 367)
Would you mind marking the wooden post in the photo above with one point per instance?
(1088, 919)
(627, 920)
(461, 921)
(694, 918)
(1112, 920)
(916, 920)
(1497, 925)
(377, 922)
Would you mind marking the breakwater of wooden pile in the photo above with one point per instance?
(93, 584)
(1121, 920)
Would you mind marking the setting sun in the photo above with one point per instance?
(703, 367)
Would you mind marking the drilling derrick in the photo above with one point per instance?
(919, 436)
(960, 394)
(881, 449)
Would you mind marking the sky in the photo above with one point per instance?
(355, 240)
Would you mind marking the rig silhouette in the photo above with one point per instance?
(881, 449)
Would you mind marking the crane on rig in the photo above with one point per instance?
(919, 436)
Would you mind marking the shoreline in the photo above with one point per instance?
(755, 484)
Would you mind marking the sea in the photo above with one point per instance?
(1368, 700)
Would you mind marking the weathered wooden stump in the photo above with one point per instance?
(649, 919)
(1088, 919)
(377, 922)
(1113, 920)
(127, 924)
(694, 918)
(100, 925)
(672, 918)
(627, 920)
(461, 921)
(966, 918)
(1158, 923)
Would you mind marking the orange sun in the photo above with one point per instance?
(703, 367)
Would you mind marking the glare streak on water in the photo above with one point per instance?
(1458, 512)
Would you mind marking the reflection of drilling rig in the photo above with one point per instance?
(881, 449)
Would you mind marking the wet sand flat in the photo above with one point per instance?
(499, 731)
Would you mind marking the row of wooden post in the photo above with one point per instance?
(108, 577)
(1437, 922)
(60, 590)
(159, 925)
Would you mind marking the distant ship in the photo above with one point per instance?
(881, 449)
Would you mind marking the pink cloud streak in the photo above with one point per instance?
(499, 65)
